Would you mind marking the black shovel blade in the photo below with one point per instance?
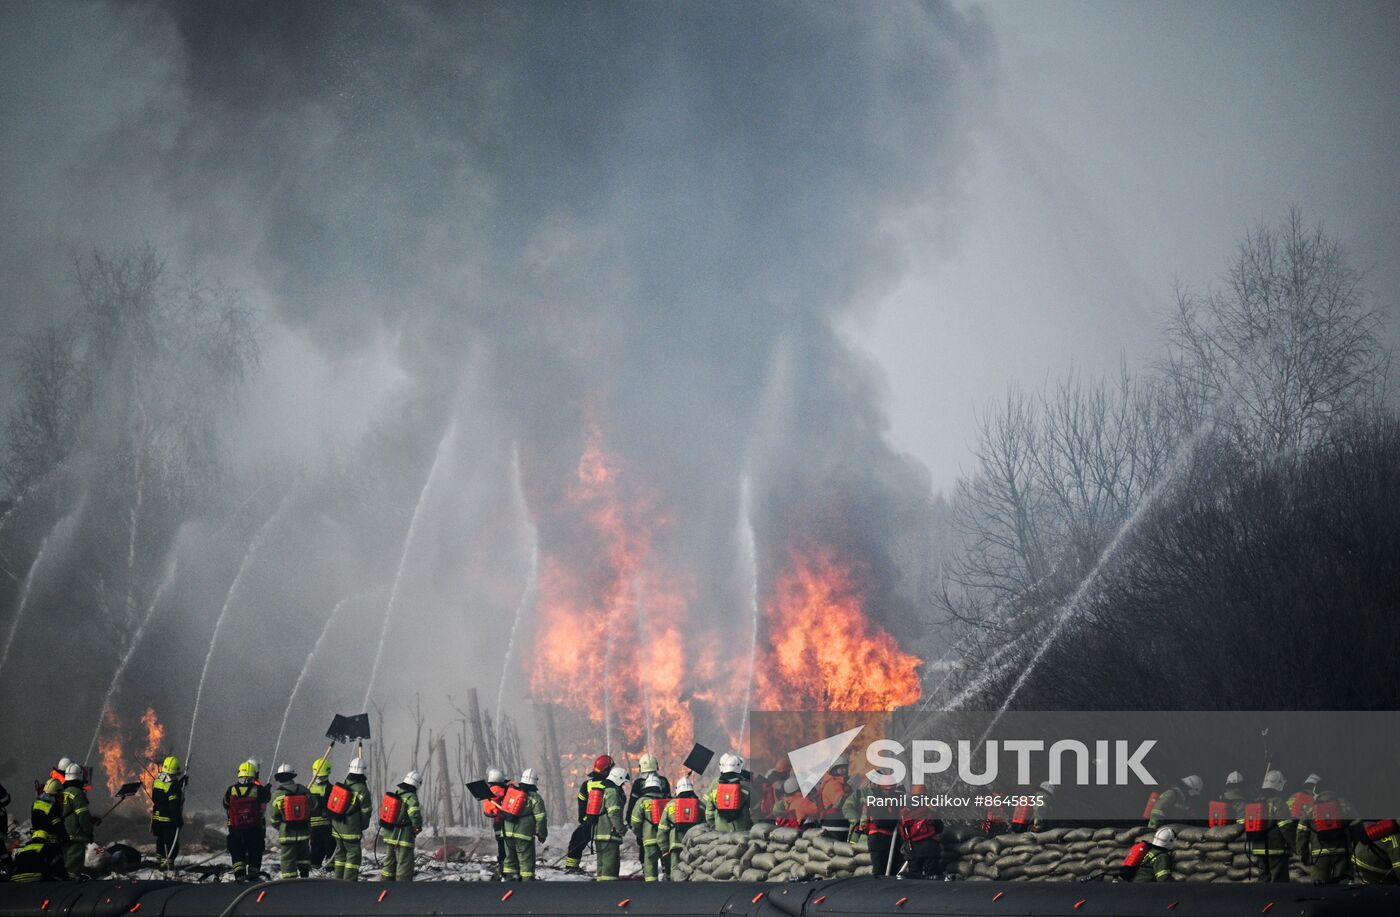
(128, 789)
(698, 759)
(345, 728)
(479, 789)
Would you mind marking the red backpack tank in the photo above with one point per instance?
(1021, 816)
(1151, 804)
(1380, 830)
(1300, 802)
(338, 801)
(243, 812)
(513, 801)
(391, 810)
(1256, 818)
(727, 797)
(655, 808)
(296, 808)
(687, 810)
(1135, 855)
(594, 806)
(1327, 816)
(1218, 813)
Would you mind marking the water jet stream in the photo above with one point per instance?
(443, 444)
(749, 542)
(310, 657)
(527, 597)
(27, 586)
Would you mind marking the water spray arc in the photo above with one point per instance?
(171, 571)
(27, 586)
(310, 658)
(531, 590)
(443, 446)
(749, 544)
(243, 566)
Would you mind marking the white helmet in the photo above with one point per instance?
(618, 775)
(63, 764)
(357, 766)
(495, 775)
(73, 771)
(411, 778)
(790, 786)
(726, 759)
(529, 777)
(1048, 787)
(1194, 784)
(729, 764)
(739, 761)
(652, 782)
(1273, 780)
(684, 785)
(647, 764)
(1234, 779)
(284, 770)
(1164, 838)
(1313, 779)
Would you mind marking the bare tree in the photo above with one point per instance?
(44, 426)
(1286, 349)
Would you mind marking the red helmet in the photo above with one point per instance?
(602, 764)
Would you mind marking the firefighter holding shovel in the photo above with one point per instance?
(350, 810)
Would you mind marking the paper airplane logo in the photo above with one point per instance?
(811, 762)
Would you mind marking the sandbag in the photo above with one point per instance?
(783, 835)
(1078, 834)
(1224, 832)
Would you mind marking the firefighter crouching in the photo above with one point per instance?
(244, 803)
(322, 840)
(350, 810)
(605, 806)
(794, 810)
(1269, 831)
(168, 810)
(41, 859)
(525, 822)
(1322, 836)
(583, 834)
(647, 809)
(1150, 861)
(727, 803)
(401, 818)
(291, 813)
(679, 816)
(1174, 803)
(1375, 853)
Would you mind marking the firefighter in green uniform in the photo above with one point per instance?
(680, 815)
(402, 834)
(1269, 830)
(322, 842)
(1151, 861)
(4, 823)
(291, 813)
(168, 810)
(1174, 804)
(39, 860)
(243, 804)
(523, 829)
(583, 834)
(1322, 836)
(42, 858)
(610, 826)
(645, 824)
(727, 803)
(349, 827)
(1375, 853)
(78, 822)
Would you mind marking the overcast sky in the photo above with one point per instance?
(1130, 146)
(1121, 147)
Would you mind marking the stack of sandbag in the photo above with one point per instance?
(1066, 854)
(767, 853)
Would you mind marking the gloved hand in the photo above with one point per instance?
(96, 820)
(542, 836)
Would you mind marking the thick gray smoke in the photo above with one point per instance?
(643, 219)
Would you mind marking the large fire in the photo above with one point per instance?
(615, 640)
(821, 652)
(117, 766)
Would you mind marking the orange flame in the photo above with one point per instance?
(822, 652)
(110, 747)
(614, 642)
(155, 734)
